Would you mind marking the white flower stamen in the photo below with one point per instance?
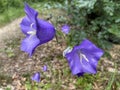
(31, 25)
(32, 31)
(82, 56)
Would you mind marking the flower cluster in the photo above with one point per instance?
(82, 58)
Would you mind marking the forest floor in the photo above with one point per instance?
(16, 67)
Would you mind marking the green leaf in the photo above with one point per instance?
(115, 29)
(88, 87)
(28, 86)
(85, 4)
(8, 88)
(112, 79)
(47, 86)
(35, 88)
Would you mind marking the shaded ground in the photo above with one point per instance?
(16, 67)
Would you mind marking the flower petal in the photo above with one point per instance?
(45, 68)
(89, 46)
(80, 74)
(29, 44)
(65, 29)
(91, 57)
(36, 77)
(74, 63)
(92, 52)
(25, 25)
(31, 13)
(45, 31)
(88, 67)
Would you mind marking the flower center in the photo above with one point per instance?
(82, 57)
(32, 31)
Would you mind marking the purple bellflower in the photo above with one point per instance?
(44, 68)
(84, 58)
(36, 77)
(65, 29)
(37, 31)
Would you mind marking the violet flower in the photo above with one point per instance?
(84, 58)
(44, 68)
(65, 29)
(37, 31)
(36, 77)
